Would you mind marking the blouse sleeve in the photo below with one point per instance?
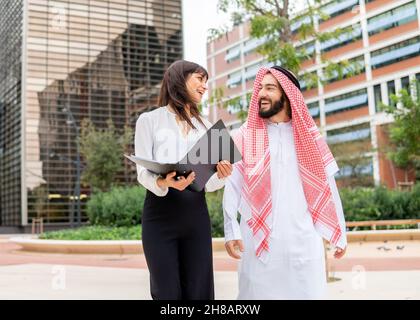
(143, 147)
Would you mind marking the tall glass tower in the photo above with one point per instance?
(94, 59)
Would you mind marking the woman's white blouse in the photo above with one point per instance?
(159, 137)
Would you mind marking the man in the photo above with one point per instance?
(285, 191)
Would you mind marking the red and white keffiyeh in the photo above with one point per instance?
(316, 163)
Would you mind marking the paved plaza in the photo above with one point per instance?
(370, 270)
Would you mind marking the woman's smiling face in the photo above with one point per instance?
(196, 86)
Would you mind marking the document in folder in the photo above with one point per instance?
(202, 158)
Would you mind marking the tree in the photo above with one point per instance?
(352, 157)
(404, 132)
(283, 44)
(103, 152)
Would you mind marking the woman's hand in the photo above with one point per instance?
(179, 184)
(224, 169)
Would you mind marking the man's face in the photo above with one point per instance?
(270, 97)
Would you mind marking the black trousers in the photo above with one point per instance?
(176, 235)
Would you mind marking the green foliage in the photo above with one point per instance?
(359, 204)
(405, 130)
(117, 213)
(103, 152)
(380, 203)
(118, 207)
(214, 205)
(124, 207)
(271, 21)
(95, 233)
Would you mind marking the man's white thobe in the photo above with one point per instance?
(296, 265)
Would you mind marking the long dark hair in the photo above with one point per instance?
(174, 92)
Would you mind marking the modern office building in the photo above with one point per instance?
(63, 61)
(384, 46)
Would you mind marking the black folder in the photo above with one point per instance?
(202, 158)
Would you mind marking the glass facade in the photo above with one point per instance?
(99, 60)
(10, 111)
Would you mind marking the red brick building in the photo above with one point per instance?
(385, 44)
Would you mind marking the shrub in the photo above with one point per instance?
(118, 207)
(214, 205)
(95, 233)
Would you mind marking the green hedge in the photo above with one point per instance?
(124, 206)
(95, 233)
(380, 203)
(120, 207)
(214, 205)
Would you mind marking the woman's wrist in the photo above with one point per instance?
(161, 182)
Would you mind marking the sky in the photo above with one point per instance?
(198, 17)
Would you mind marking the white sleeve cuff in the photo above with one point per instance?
(232, 231)
(215, 183)
(149, 181)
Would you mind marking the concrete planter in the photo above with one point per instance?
(89, 246)
(136, 247)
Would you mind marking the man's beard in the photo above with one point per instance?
(275, 108)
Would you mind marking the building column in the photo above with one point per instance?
(243, 82)
(418, 10)
(24, 191)
(371, 95)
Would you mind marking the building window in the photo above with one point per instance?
(405, 84)
(359, 170)
(391, 90)
(343, 39)
(311, 82)
(234, 80)
(337, 7)
(314, 109)
(346, 101)
(233, 54)
(378, 96)
(297, 23)
(306, 50)
(395, 53)
(251, 72)
(252, 44)
(349, 134)
(355, 66)
(392, 18)
(418, 85)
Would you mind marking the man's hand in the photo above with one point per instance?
(224, 169)
(232, 247)
(339, 253)
(179, 184)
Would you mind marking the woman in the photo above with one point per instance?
(176, 225)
